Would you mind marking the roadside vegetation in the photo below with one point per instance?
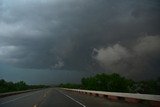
(18, 86)
(116, 83)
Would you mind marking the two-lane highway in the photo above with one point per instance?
(53, 97)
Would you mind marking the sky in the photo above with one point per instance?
(53, 41)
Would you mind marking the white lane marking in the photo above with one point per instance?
(72, 99)
(35, 105)
(18, 98)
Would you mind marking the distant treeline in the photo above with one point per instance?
(116, 83)
(18, 86)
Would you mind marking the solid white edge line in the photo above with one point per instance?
(72, 99)
(18, 98)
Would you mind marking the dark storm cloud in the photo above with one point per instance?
(64, 34)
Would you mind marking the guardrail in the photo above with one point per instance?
(16, 92)
(153, 100)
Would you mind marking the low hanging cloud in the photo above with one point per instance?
(111, 55)
(147, 45)
(59, 63)
(136, 60)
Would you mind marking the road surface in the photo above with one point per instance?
(53, 97)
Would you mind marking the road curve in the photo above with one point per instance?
(53, 97)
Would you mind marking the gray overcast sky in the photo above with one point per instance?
(82, 37)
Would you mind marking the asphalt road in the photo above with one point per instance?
(53, 97)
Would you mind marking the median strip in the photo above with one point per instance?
(16, 92)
